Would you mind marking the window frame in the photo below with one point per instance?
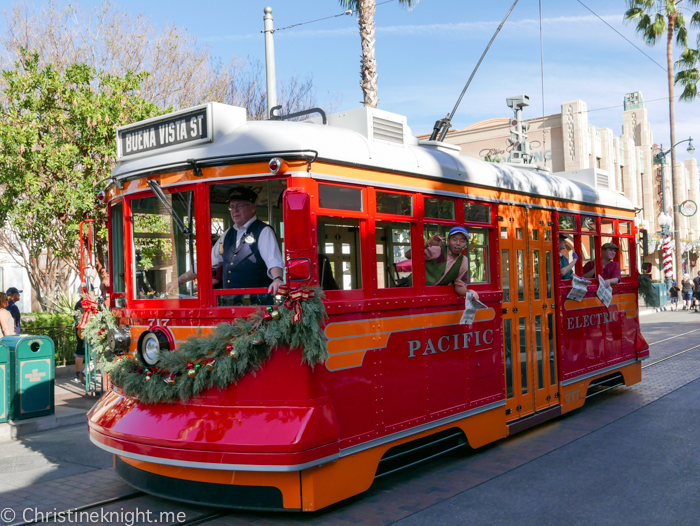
(201, 212)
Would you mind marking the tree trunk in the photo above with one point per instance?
(676, 187)
(368, 70)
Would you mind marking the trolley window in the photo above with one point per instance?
(395, 204)
(393, 245)
(439, 208)
(162, 252)
(625, 228)
(117, 255)
(588, 256)
(567, 222)
(477, 213)
(478, 255)
(607, 226)
(226, 238)
(339, 244)
(588, 224)
(340, 197)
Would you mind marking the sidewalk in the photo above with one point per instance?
(71, 406)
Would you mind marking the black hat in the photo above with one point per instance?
(563, 237)
(13, 290)
(241, 193)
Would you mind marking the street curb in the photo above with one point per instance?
(64, 416)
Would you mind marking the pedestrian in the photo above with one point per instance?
(79, 353)
(673, 296)
(6, 321)
(13, 298)
(687, 291)
(696, 282)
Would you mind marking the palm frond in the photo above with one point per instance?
(695, 19)
(688, 78)
(682, 36)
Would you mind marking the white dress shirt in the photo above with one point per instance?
(267, 245)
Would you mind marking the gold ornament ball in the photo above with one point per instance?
(192, 373)
(233, 353)
(148, 377)
(279, 299)
(275, 315)
(210, 365)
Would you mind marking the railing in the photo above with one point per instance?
(63, 338)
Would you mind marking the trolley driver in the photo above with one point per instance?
(248, 251)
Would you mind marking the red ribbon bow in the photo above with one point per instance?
(89, 308)
(294, 299)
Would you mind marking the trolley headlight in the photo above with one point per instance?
(118, 340)
(151, 344)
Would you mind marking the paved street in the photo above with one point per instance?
(628, 457)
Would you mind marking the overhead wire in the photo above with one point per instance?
(623, 36)
(344, 13)
(544, 130)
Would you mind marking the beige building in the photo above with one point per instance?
(569, 146)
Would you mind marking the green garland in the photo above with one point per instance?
(646, 290)
(225, 356)
(95, 334)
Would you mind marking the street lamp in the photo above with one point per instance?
(665, 221)
(660, 158)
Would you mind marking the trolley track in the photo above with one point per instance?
(673, 337)
(671, 356)
(195, 521)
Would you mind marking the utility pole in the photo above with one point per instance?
(270, 61)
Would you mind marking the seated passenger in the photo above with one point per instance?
(567, 269)
(248, 252)
(611, 269)
(445, 264)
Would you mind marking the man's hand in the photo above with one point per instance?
(435, 241)
(277, 280)
(475, 294)
(172, 287)
(274, 286)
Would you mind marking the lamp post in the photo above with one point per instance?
(661, 159)
(665, 222)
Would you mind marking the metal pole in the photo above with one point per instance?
(270, 61)
(663, 180)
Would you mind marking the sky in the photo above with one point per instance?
(425, 56)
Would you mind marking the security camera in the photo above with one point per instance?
(518, 102)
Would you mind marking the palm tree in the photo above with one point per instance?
(368, 68)
(653, 19)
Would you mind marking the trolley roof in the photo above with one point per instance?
(216, 134)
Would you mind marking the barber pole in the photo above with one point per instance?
(668, 264)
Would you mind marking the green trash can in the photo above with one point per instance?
(32, 362)
(4, 383)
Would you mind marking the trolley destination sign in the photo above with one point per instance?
(175, 130)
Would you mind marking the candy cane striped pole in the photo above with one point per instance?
(668, 264)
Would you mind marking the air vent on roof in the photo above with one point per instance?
(386, 130)
(602, 180)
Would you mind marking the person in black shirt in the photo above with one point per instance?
(13, 295)
(80, 347)
(696, 302)
(673, 295)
